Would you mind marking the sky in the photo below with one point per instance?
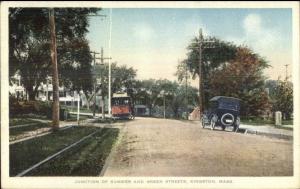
(154, 40)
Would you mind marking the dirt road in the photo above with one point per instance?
(158, 147)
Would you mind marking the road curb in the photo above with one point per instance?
(272, 135)
(111, 155)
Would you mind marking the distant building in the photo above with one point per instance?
(141, 110)
(45, 92)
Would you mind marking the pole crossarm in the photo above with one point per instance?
(202, 44)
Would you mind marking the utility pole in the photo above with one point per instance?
(55, 108)
(109, 64)
(102, 63)
(286, 72)
(202, 44)
(186, 91)
(94, 87)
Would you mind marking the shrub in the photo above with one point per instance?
(17, 108)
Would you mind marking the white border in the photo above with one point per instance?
(64, 182)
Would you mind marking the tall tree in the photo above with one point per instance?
(212, 59)
(29, 40)
(242, 77)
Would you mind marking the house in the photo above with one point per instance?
(45, 92)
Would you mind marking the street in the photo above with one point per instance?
(163, 147)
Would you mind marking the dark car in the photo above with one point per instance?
(223, 111)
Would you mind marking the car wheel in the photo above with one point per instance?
(227, 116)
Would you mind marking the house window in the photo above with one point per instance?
(62, 93)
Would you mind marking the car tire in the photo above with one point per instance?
(223, 122)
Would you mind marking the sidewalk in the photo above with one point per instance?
(268, 130)
(90, 114)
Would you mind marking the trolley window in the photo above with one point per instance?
(120, 101)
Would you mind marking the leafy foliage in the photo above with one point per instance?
(29, 46)
(153, 92)
(242, 77)
(283, 98)
(229, 70)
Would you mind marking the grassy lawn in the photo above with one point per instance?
(287, 122)
(25, 154)
(32, 116)
(283, 127)
(106, 120)
(74, 109)
(261, 122)
(257, 122)
(73, 117)
(21, 121)
(19, 130)
(86, 159)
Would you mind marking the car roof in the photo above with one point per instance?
(226, 98)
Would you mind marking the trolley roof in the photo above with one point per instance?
(120, 95)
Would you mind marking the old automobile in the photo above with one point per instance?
(224, 112)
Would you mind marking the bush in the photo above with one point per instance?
(17, 108)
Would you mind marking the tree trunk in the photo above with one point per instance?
(55, 107)
(31, 93)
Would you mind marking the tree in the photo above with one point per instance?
(153, 92)
(123, 78)
(29, 40)
(271, 85)
(29, 53)
(283, 98)
(242, 77)
(212, 59)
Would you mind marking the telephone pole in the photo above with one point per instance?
(202, 44)
(186, 91)
(94, 87)
(286, 72)
(55, 107)
(102, 63)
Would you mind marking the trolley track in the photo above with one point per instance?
(74, 153)
(86, 159)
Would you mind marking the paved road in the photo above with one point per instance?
(158, 147)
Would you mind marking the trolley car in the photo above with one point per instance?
(122, 106)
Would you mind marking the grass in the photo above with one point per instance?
(287, 122)
(20, 130)
(74, 109)
(73, 117)
(32, 116)
(105, 120)
(25, 154)
(21, 121)
(110, 120)
(282, 127)
(86, 159)
(257, 122)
